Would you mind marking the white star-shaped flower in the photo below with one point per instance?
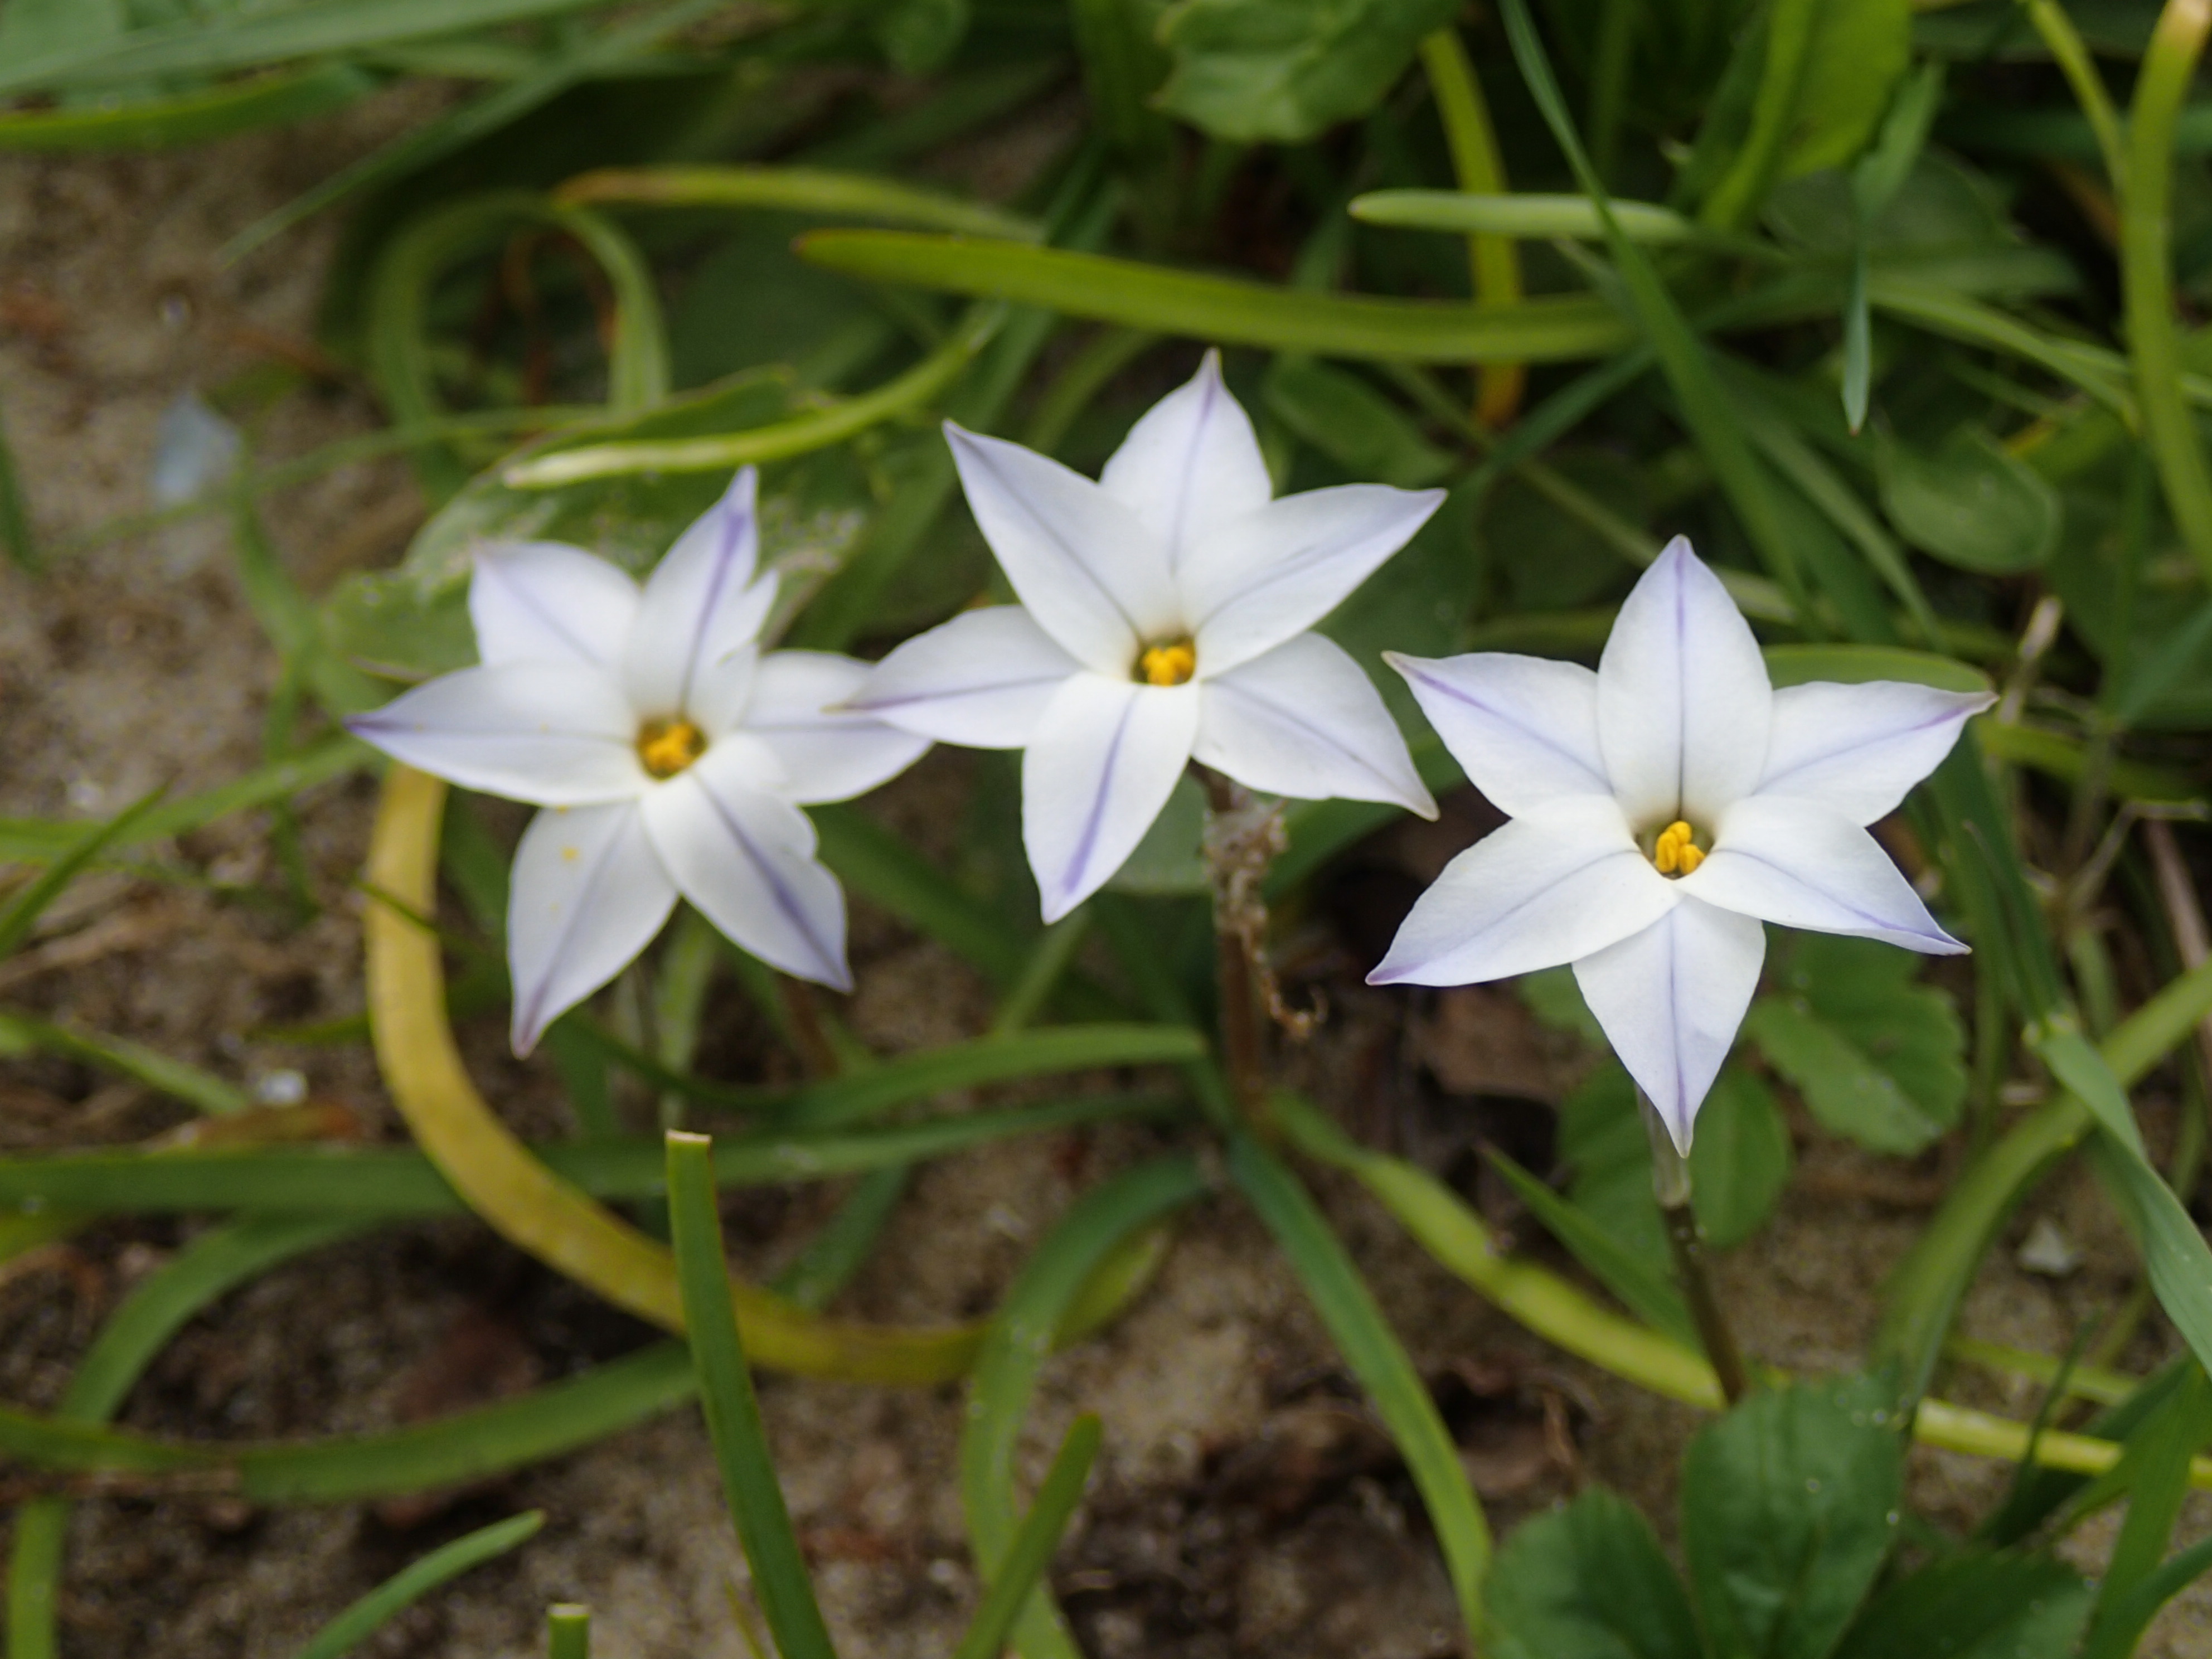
(671, 753)
(1163, 618)
(1663, 808)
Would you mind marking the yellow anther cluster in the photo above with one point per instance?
(667, 747)
(1676, 855)
(1172, 664)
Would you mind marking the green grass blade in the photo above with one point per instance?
(843, 1246)
(819, 191)
(1081, 1242)
(196, 117)
(2155, 1469)
(17, 540)
(1368, 1346)
(1650, 1294)
(21, 1033)
(1225, 309)
(241, 39)
(733, 1419)
(1023, 1566)
(41, 841)
(134, 1332)
(567, 1631)
(1705, 407)
(780, 441)
(1530, 217)
(2146, 272)
(416, 1580)
(390, 1182)
(22, 913)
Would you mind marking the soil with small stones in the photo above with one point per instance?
(1245, 1502)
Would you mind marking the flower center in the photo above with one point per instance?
(1675, 852)
(1172, 662)
(667, 747)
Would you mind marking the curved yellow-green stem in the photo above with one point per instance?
(1554, 1310)
(523, 1201)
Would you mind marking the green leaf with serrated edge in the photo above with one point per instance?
(1589, 1581)
(1876, 1058)
(1981, 1605)
(1970, 502)
(1288, 69)
(1790, 1506)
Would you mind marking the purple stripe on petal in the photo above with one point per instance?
(1071, 881)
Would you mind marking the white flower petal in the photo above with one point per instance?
(701, 609)
(982, 679)
(548, 602)
(1670, 1000)
(548, 733)
(1303, 721)
(1558, 886)
(1089, 570)
(1525, 728)
(588, 894)
(1683, 701)
(1253, 581)
(1794, 861)
(745, 860)
(1859, 748)
(1106, 754)
(825, 756)
(1191, 463)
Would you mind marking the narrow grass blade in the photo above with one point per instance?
(780, 441)
(845, 1242)
(41, 841)
(1368, 1346)
(2146, 277)
(391, 1182)
(23, 911)
(1647, 1292)
(17, 540)
(21, 1033)
(190, 118)
(1494, 263)
(1230, 310)
(2155, 1468)
(733, 1419)
(817, 190)
(1024, 1564)
(567, 1631)
(416, 1580)
(1528, 216)
(244, 38)
(138, 1329)
(1081, 1244)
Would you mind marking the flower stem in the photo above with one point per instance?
(1670, 1185)
(1244, 1050)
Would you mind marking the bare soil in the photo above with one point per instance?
(1245, 1504)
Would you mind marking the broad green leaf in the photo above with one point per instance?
(1789, 1505)
(1876, 1058)
(1740, 1162)
(1589, 1581)
(1982, 1605)
(1740, 1159)
(1970, 503)
(1287, 70)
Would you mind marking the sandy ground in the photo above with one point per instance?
(1243, 1505)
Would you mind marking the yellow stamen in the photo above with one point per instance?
(1171, 663)
(1675, 854)
(667, 747)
